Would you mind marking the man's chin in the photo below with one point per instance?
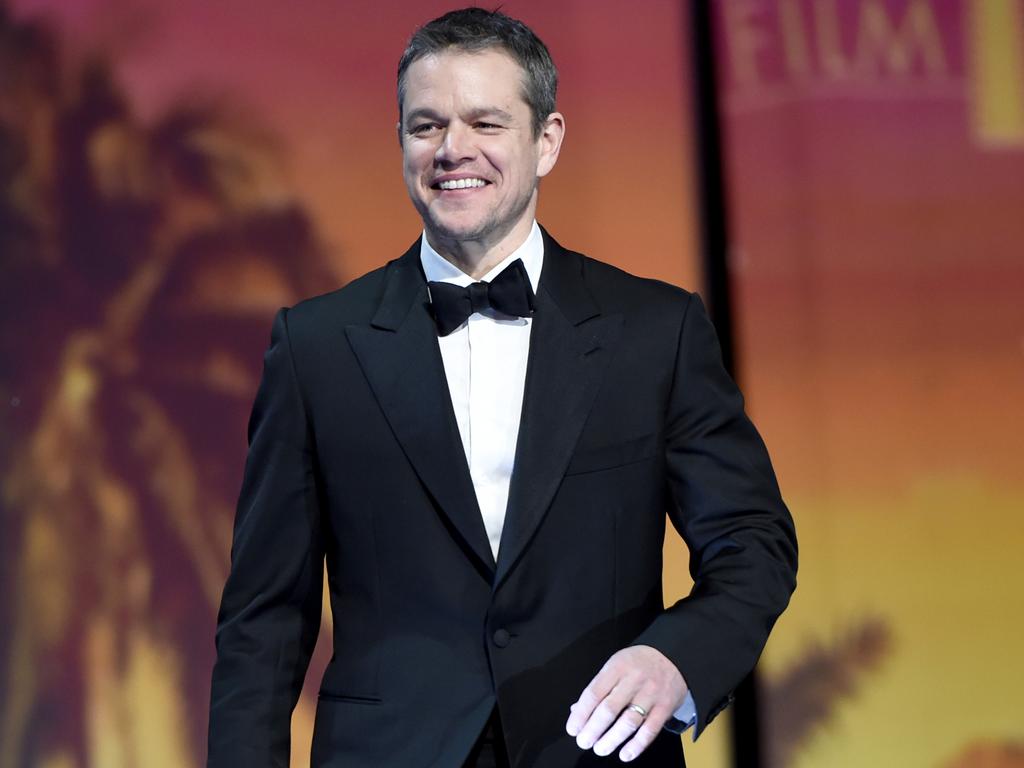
(459, 232)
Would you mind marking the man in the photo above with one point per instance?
(483, 438)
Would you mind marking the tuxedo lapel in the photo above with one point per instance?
(570, 345)
(402, 362)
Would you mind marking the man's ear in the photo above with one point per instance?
(550, 141)
(398, 132)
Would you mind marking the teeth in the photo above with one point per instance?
(462, 183)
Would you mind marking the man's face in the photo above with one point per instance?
(470, 160)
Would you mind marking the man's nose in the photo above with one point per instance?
(457, 145)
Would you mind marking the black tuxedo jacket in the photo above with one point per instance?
(355, 457)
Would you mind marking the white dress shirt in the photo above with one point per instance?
(485, 364)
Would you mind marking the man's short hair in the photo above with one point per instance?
(471, 30)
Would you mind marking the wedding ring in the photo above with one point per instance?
(638, 709)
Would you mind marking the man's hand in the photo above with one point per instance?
(638, 675)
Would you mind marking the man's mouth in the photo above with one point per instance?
(451, 184)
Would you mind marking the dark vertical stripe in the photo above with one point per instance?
(745, 736)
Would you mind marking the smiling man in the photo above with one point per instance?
(484, 439)
(473, 153)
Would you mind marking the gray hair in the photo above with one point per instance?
(472, 30)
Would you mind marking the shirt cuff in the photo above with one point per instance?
(684, 717)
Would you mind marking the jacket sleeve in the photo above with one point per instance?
(728, 509)
(270, 610)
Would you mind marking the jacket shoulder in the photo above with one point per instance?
(617, 290)
(352, 304)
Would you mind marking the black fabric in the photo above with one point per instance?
(355, 460)
(509, 293)
(489, 750)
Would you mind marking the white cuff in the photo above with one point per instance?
(684, 717)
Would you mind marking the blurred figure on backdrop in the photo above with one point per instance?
(482, 439)
(138, 262)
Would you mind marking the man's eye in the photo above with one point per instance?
(422, 128)
(488, 126)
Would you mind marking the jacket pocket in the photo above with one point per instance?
(614, 455)
(346, 699)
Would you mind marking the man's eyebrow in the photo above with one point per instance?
(475, 114)
(421, 112)
(490, 112)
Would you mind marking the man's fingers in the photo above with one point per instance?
(602, 717)
(605, 713)
(627, 724)
(645, 735)
(579, 713)
(588, 701)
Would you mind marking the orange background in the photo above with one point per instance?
(170, 175)
(875, 167)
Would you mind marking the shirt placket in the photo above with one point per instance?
(484, 415)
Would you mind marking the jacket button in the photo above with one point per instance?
(501, 637)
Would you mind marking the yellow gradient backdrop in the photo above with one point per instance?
(875, 157)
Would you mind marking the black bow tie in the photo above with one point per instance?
(509, 293)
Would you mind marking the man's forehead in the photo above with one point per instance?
(489, 70)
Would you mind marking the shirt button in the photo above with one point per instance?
(501, 638)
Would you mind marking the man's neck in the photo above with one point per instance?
(478, 257)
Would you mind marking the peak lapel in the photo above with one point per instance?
(570, 345)
(402, 362)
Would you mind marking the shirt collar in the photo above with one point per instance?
(439, 269)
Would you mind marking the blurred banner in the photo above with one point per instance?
(875, 162)
(170, 174)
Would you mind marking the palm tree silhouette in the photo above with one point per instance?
(139, 267)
